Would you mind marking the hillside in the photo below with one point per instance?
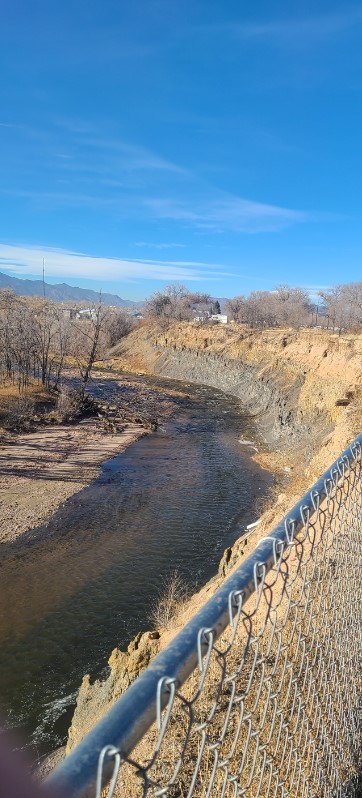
(61, 292)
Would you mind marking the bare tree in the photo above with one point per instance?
(353, 295)
(158, 306)
(118, 324)
(285, 306)
(17, 340)
(292, 305)
(259, 309)
(45, 332)
(88, 340)
(342, 306)
(333, 306)
(176, 302)
(62, 344)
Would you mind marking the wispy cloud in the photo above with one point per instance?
(86, 161)
(68, 198)
(153, 245)
(228, 213)
(65, 264)
(224, 213)
(133, 156)
(130, 181)
(130, 155)
(294, 31)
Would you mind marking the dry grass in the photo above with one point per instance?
(20, 414)
(18, 411)
(175, 593)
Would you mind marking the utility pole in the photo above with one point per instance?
(43, 280)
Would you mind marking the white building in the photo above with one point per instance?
(219, 317)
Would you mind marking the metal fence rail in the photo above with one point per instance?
(259, 694)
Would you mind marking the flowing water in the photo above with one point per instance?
(173, 500)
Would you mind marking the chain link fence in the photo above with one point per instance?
(259, 695)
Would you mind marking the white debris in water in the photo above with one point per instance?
(248, 443)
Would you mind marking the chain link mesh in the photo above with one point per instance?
(273, 708)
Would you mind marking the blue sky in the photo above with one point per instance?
(213, 143)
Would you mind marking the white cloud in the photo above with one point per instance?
(227, 213)
(63, 264)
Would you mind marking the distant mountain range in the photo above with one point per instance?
(61, 292)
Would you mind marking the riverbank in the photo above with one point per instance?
(41, 470)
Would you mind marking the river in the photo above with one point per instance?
(174, 500)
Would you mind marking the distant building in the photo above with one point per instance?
(219, 317)
(135, 314)
(87, 313)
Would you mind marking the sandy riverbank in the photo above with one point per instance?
(40, 470)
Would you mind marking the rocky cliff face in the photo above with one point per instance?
(298, 383)
(306, 390)
(208, 356)
(260, 394)
(94, 699)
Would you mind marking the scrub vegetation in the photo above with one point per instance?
(39, 341)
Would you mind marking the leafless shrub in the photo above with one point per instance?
(69, 404)
(20, 415)
(235, 308)
(174, 595)
(118, 326)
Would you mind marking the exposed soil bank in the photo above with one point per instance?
(305, 388)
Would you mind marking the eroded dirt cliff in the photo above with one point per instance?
(304, 386)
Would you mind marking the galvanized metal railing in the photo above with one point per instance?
(259, 694)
